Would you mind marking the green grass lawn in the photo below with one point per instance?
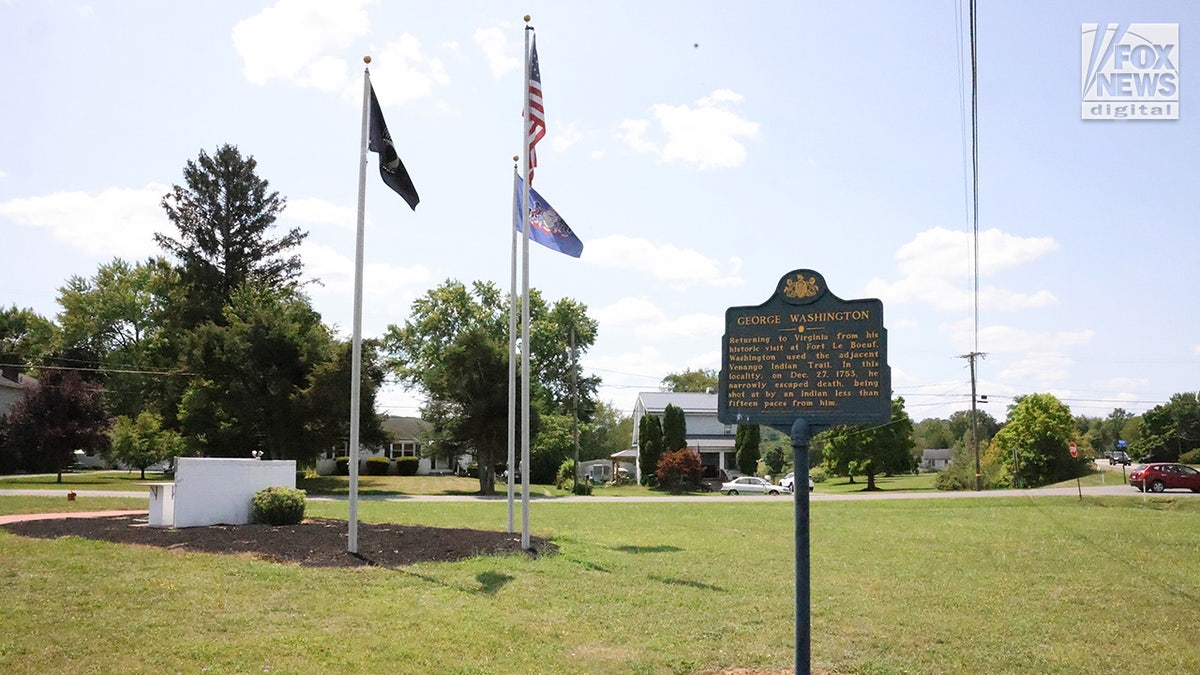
(1012, 585)
(903, 483)
(83, 480)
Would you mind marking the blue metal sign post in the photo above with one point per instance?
(802, 360)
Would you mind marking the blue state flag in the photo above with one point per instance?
(546, 227)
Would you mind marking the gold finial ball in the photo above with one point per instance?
(516, 158)
(526, 18)
(366, 59)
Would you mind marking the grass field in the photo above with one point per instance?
(1011, 585)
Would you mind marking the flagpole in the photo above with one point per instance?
(525, 347)
(512, 356)
(356, 340)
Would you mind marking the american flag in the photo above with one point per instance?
(537, 114)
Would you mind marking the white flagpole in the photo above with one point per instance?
(512, 357)
(356, 341)
(525, 348)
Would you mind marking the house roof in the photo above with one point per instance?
(937, 453)
(656, 402)
(405, 428)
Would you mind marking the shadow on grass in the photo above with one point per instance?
(491, 582)
(662, 548)
(686, 582)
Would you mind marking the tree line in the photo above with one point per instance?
(213, 348)
(1028, 449)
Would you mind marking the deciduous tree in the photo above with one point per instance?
(143, 442)
(1038, 430)
(871, 451)
(60, 414)
(1171, 429)
(699, 380)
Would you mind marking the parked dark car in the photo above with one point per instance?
(1119, 457)
(1160, 476)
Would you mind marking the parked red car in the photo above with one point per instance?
(1161, 476)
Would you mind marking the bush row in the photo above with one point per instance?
(378, 466)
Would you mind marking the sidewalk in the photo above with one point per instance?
(21, 517)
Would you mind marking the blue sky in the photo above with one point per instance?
(700, 151)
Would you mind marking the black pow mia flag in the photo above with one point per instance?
(391, 169)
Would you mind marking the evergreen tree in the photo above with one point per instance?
(674, 428)
(224, 212)
(650, 444)
(746, 445)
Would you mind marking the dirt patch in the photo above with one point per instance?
(316, 542)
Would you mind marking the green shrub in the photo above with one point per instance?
(584, 488)
(818, 475)
(343, 466)
(566, 475)
(377, 466)
(407, 466)
(1190, 457)
(278, 506)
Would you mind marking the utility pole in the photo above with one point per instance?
(974, 421)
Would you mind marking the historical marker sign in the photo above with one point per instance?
(805, 353)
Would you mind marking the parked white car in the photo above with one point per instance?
(788, 482)
(749, 485)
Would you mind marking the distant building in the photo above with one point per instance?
(12, 388)
(936, 459)
(707, 435)
(406, 436)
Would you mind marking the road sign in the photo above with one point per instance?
(1074, 450)
(805, 353)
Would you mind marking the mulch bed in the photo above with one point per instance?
(316, 542)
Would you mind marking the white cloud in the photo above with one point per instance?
(626, 311)
(565, 136)
(686, 326)
(679, 267)
(1124, 384)
(708, 135)
(501, 56)
(650, 322)
(388, 290)
(1039, 368)
(947, 253)
(320, 212)
(407, 73)
(1007, 339)
(114, 222)
(936, 269)
(300, 42)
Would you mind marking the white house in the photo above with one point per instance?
(406, 434)
(936, 459)
(707, 435)
(12, 387)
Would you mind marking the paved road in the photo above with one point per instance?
(1117, 489)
